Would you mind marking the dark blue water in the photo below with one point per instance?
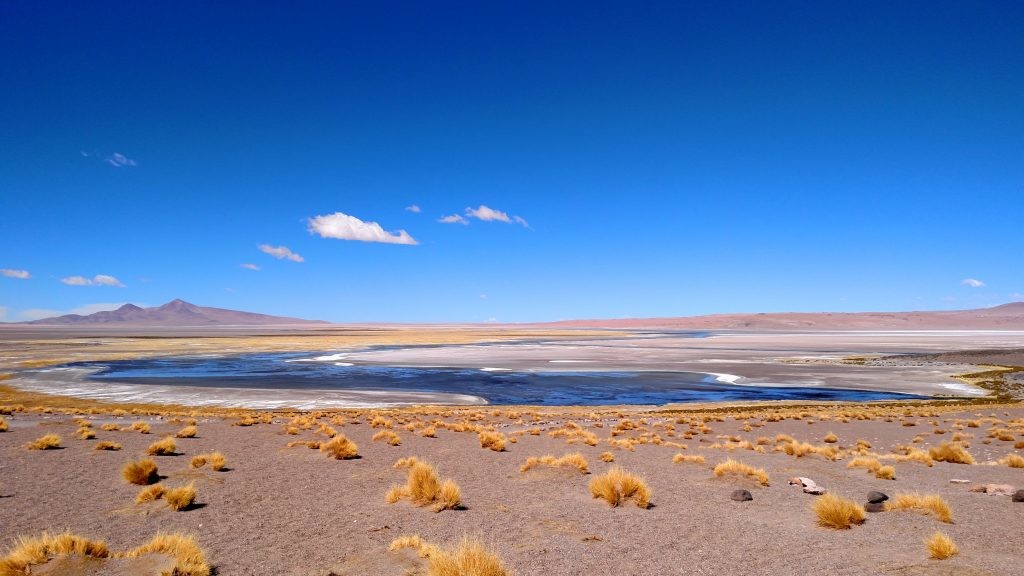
(541, 388)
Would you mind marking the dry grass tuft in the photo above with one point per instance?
(215, 459)
(165, 447)
(607, 457)
(429, 432)
(340, 448)
(423, 487)
(140, 473)
(574, 460)
(387, 436)
(839, 513)
(732, 467)
(950, 452)
(85, 433)
(107, 445)
(830, 438)
(187, 432)
(181, 497)
(873, 466)
(886, 473)
(941, 546)
(189, 559)
(469, 558)
(492, 440)
(1013, 461)
(48, 442)
(28, 552)
(926, 504)
(617, 485)
(110, 427)
(150, 493)
(3, 424)
(685, 458)
(140, 426)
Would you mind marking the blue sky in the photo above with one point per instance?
(662, 158)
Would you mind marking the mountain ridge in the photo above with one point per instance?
(177, 312)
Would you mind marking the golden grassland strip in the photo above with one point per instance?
(40, 353)
(994, 380)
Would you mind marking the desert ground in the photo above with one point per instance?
(283, 503)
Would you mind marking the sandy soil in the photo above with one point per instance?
(293, 511)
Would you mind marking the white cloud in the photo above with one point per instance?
(413, 208)
(483, 296)
(38, 314)
(1017, 295)
(341, 226)
(488, 214)
(118, 160)
(104, 280)
(3, 313)
(972, 282)
(453, 219)
(280, 252)
(248, 266)
(97, 280)
(19, 274)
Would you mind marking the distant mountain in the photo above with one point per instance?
(1005, 317)
(174, 313)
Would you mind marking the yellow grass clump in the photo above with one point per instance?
(735, 468)
(340, 448)
(181, 497)
(3, 424)
(607, 457)
(429, 432)
(838, 513)
(107, 445)
(469, 558)
(686, 458)
(925, 503)
(830, 438)
(387, 436)
(85, 433)
(1013, 461)
(140, 426)
(574, 460)
(150, 493)
(950, 452)
(165, 447)
(423, 487)
(28, 552)
(617, 485)
(492, 440)
(873, 466)
(189, 559)
(140, 473)
(941, 546)
(187, 432)
(47, 442)
(216, 461)
(110, 427)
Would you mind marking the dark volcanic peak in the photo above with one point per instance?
(174, 313)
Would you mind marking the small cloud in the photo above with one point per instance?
(1017, 295)
(3, 313)
(491, 321)
(97, 280)
(488, 214)
(413, 208)
(83, 310)
(118, 160)
(248, 266)
(483, 296)
(453, 219)
(341, 226)
(972, 282)
(281, 252)
(38, 313)
(19, 274)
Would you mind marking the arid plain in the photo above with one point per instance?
(306, 491)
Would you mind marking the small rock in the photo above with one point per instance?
(874, 507)
(808, 485)
(814, 489)
(876, 497)
(959, 481)
(1018, 496)
(741, 496)
(997, 489)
